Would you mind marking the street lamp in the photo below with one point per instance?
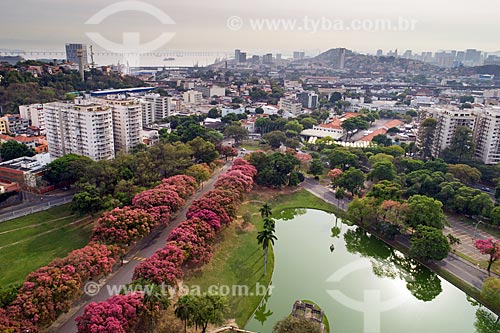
(475, 229)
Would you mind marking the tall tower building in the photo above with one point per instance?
(487, 135)
(72, 51)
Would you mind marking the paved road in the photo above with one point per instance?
(33, 204)
(459, 267)
(66, 323)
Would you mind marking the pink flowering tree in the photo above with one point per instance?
(334, 173)
(119, 314)
(47, 293)
(489, 247)
(159, 202)
(208, 216)
(90, 261)
(164, 266)
(123, 226)
(184, 185)
(206, 203)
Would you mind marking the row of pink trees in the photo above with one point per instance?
(188, 245)
(50, 290)
(205, 218)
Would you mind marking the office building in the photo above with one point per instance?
(72, 53)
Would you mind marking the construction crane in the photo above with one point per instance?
(92, 64)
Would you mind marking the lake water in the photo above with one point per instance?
(363, 285)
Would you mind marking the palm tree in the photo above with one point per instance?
(265, 210)
(265, 237)
(269, 223)
(184, 309)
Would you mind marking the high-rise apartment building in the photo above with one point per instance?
(127, 122)
(82, 129)
(308, 99)
(72, 53)
(487, 135)
(155, 108)
(193, 97)
(34, 113)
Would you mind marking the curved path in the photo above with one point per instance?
(66, 323)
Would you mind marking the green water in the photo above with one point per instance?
(363, 285)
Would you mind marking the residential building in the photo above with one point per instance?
(15, 124)
(290, 106)
(192, 97)
(447, 122)
(155, 108)
(126, 123)
(3, 125)
(298, 55)
(82, 129)
(487, 135)
(308, 99)
(210, 91)
(72, 53)
(34, 113)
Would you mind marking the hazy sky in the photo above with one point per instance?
(203, 25)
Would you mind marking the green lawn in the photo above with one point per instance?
(238, 259)
(38, 244)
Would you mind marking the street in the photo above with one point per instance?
(66, 323)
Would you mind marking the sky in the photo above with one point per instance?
(224, 25)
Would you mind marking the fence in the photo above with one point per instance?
(36, 208)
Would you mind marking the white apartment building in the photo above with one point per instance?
(447, 122)
(82, 129)
(34, 113)
(155, 108)
(448, 119)
(127, 122)
(192, 97)
(290, 106)
(487, 135)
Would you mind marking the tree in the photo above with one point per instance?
(427, 133)
(299, 324)
(343, 158)
(489, 247)
(203, 151)
(265, 210)
(490, 292)
(13, 149)
(352, 180)
(259, 110)
(466, 174)
(429, 243)
(385, 190)
(214, 113)
(265, 237)
(67, 169)
(316, 168)
(362, 210)
(275, 138)
(461, 147)
(200, 172)
(382, 171)
(184, 309)
(382, 140)
(237, 132)
(208, 309)
(294, 125)
(425, 211)
(87, 201)
(495, 215)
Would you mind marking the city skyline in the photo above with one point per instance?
(313, 27)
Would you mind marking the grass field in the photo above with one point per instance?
(238, 259)
(32, 241)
